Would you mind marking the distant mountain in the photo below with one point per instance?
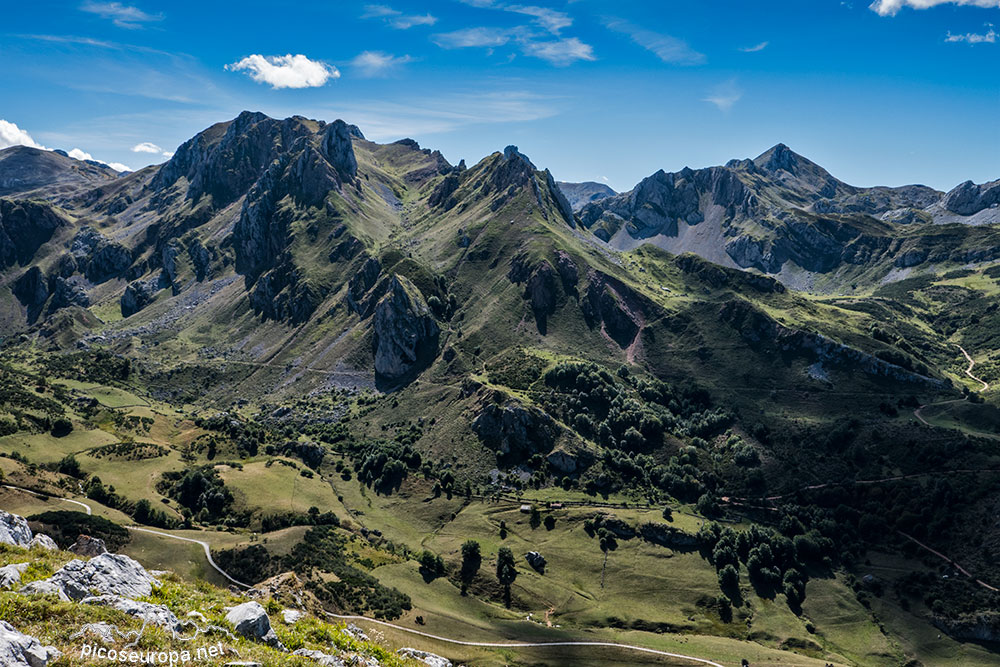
(781, 213)
(581, 194)
(53, 175)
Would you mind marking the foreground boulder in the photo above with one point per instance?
(250, 620)
(20, 650)
(108, 574)
(424, 657)
(10, 575)
(320, 658)
(43, 542)
(154, 614)
(88, 546)
(14, 530)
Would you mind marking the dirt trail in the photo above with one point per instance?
(968, 371)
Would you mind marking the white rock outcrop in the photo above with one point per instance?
(14, 530)
(20, 650)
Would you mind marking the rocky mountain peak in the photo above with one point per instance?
(511, 153)
(778, 158)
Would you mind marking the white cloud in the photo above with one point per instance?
(78, 154)
(146, 147)
(378, 63)
(550, 19)
(407, 22)
(755, 48)
(123, 16)
(989, 37)
(892, 7)
(666, 48)
(560, 52)
(396, 18)
(725, 95)
(286, 71)
(12, 135)
(473, 37)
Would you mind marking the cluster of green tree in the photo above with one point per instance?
(21, 397)
(98, 366)
(279, 520)
(680, 477)
(774, 562)
(202, 493)
(627, 412)
(322, 549)
(142, 511)
(130, 451)
(65, 527)
(516, 369)
(246, 436)
(383, 464)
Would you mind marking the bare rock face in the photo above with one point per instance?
(969, 198)
(24, 228)
(20, 650)
(137, 296)
(406, 335)
(14, 530)
(88, 546)
(612, 304)
(43, 542)
(359, 296)
(514, 430)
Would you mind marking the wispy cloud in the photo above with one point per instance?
(725, 95)
(286, 71)
(473, 38)
(560, 52)
(988, 37)
(381, 120)
(549, 19)
(665, 47)
(892, 7)
(377, 63)
(123, 16)
(755, 48)
(396, 18)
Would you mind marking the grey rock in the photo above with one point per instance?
(88, 546)
(32, 288)
(969, 198)
(10, 575)
(24, 228)
(106, 574)
(515, 430)
(43, 542)
(137, 296)
(44, 587)
(429, 659)
(359, 298)
(250, 620)
(66, 292)
(580, 194)
(292, 616)
(406, 334)
(14, 530)
(20, 650)
(320, 658)
(154, 614)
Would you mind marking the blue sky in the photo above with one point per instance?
(890, 92)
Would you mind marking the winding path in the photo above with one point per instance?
(968, 371)
(85, 506)
(630, 647)
(204, 545)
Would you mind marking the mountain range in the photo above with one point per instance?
(757, 342)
